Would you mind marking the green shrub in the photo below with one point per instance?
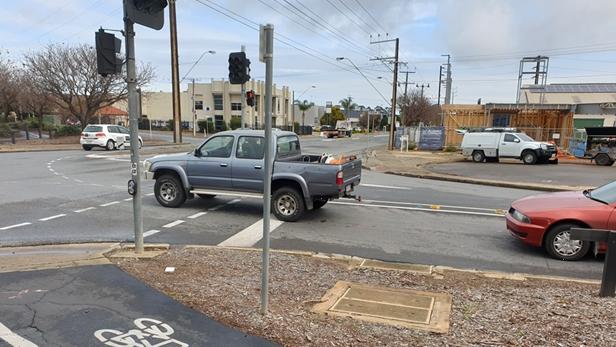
(451, 149)
(5, 130)
(412, 146)
(235, 123)
(206, 123)
(68, 130)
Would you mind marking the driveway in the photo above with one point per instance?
(561, 174)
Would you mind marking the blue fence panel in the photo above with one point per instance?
(431, 138)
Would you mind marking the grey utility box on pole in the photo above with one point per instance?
(266, 54)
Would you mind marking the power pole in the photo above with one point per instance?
(243, 97)
(448, 80)
(422, 88)
(194, 110)
(293, 112)
(394, 97)
(175, 75)
(440, 82)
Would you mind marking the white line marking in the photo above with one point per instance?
(84, 209)
(109, 204)
(233, 201)
(66, 178)
(197, 215)
(78, 180)
(150, 232)
(441, 206)
(381, 186)
(52, 217)
(418, 209)
(216, 208)
(251, 235)
(13, 339)
(15, 226)
(128, 199)
(149, 194)
(56, 173)
(174, 223)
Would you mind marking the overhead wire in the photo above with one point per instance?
(370, 15)
(347, 16)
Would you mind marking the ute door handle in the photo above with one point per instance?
(224, 164)
(258, 167)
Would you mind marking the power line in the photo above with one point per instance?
(370, 15)
(347, 16)
(355, 14)
(340, 33)
(313, 22)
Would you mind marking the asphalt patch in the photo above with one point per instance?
(103, 306)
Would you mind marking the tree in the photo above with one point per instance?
(333, 117)
(348, 105)
(34, 99)
(68, 74)
(304, 106)
(416, 108)
(9, 87)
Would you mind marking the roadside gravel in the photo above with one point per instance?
(224, 284)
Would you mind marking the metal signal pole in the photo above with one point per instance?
(133, 108)
(243, 97)
(267, 33)
(175, 75)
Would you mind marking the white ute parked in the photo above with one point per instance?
(491, 144)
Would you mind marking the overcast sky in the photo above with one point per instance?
(486, 39)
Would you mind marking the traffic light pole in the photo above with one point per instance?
(267, 181)
(133, 107)
(243, 96)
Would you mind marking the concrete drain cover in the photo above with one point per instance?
(403, 307)
(381, 265)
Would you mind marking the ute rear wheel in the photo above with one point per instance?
(287, 204)
(559, 245)
(603, 159)
(169, 191)
(478, 157)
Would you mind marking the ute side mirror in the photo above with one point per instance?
(197, 152)
(516, 140)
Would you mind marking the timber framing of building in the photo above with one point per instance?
(543, 122)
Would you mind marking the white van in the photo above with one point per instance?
(494, 143)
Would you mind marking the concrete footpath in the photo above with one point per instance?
(76, 297)
(420, 164)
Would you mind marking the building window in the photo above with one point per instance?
(218, 103)
(256, 103)
(236, 106)
(198, 104)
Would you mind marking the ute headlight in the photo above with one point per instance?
(147, 165)
(519, 216)
(544, 146)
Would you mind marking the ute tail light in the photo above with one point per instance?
(100, 134)
(339, 178)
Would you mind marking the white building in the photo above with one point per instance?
(219, 101)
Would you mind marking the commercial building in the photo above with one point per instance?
(594, 103)
(220, 102)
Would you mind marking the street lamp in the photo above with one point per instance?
(193, 90)
(197, 62)
(297, 102)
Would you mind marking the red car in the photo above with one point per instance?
(544, 220)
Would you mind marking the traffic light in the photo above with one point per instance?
(250, 98)
(107, 50)
(239, 68)
(148, 13)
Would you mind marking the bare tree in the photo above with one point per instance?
(68, 74)
(416, 108)
(34, 99)
(375, 120)
(9, 86)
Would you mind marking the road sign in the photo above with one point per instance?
(149, 13)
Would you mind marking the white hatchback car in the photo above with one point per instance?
(107, 136)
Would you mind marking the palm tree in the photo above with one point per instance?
(304, 106)
(348, 105)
